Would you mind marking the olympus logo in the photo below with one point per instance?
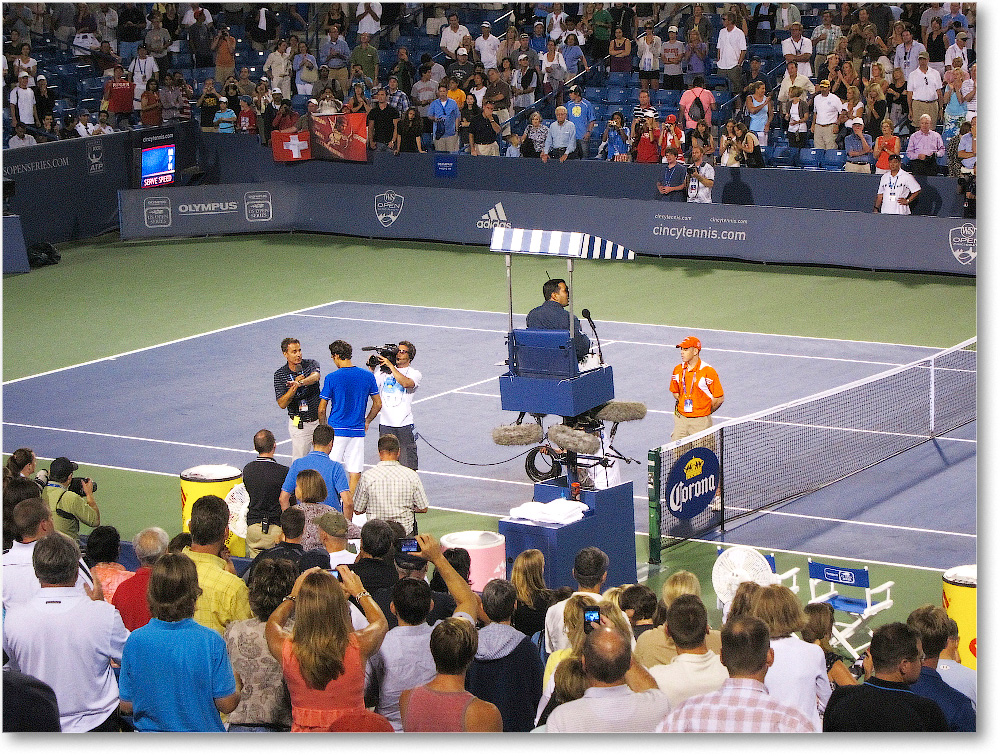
(208, 208)
(495, 218)
(684, 492)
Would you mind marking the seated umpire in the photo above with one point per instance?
(551, 315)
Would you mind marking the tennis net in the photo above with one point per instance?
(785, 452)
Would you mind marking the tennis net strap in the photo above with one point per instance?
(799, 447)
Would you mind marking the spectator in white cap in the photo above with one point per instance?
(859, 148)
(463, 68)
(22, 101)
(225, 119)
(896, 191)
(487, 46)
(305, 120)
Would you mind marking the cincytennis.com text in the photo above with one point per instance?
(687, 232)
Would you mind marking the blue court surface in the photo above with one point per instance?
(200, 399)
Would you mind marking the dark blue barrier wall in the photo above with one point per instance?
(69, 190)
(781, 235)
(239, 159)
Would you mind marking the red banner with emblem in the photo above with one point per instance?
(288, 148)
(342, 136)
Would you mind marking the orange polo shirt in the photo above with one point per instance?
(700, 383)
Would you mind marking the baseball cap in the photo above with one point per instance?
(575, 88)
(672, 29)
(539, 23)
(923, 54)
(690, 341)
(755, 57)
(24, 75)
(40, 77)
(855, 122)
(525, 35)
(486, 25)
(522, 56)
(324, 66)
(825, 83)
(223, 99)
(313, 101)
(61, 467)
(333, 523)
(275, 91)
(461, 51)
(84, 112)
(671, 118)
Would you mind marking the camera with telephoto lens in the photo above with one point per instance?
(692, 169)
(389, 351)
(76, 486)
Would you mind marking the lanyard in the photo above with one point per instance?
(685, 391)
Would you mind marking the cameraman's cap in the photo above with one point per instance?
(923, 54)
(461, 51)
(61, 467)
(333, 523)
(690, 341)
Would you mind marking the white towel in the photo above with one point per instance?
(557, 511)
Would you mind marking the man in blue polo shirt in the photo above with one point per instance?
(338, 492)
(345, 393)
(581, 113)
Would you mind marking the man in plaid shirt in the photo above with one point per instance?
(390, 491)
(743, 703)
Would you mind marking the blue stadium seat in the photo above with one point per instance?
(673, 97)
(810, 159)
(299, 102)
(618, 79)
(783, 156)
(614, 94)
(834, 160)
(594, 94)
(664, 111)
(768, 153)
(764, 51)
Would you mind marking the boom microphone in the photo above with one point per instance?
(621, 412)
(518, 434)
(574, 440)
(586, 314)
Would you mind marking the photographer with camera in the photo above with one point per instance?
(224, 47)
(71, 500)
(700, 177)
(397, 381)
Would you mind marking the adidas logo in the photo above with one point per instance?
(495, 218)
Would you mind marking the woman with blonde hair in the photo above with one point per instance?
(533, 597)
(877, 77)
(885, 145)
(819, 630)
(798, 676)
(876, 108)
(570, 683)
(323, 658)
(576, 631)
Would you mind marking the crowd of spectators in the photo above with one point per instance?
(880, 63)
(337, 638)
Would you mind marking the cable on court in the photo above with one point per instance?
(470, 464)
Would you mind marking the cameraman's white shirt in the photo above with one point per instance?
(397, 401)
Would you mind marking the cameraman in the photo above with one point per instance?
(224, 46)
(68, 508)
(396, 385)
(700, 177)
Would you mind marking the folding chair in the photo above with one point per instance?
(860, 609)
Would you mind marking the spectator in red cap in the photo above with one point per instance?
(697, 390)
(671, 135)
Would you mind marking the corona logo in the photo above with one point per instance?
(680, 494)
(693, 468)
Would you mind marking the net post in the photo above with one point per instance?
(655, 504)
(722, 481)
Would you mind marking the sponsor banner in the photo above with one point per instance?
(342, 136)
(693, 483)
(287, 148)
(646, 226)
(200, 210)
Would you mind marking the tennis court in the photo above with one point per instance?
(200, 399)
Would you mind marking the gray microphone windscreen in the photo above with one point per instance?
(617, 411)
(518, 435)
(573, 440)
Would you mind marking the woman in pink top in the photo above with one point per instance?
(322, 658)
(443, 704)
(103, 547)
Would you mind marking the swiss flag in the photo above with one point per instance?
(290, 147)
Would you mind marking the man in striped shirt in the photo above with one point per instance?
(390, 491)
(743, 703)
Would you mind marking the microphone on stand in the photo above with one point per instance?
(586, 314)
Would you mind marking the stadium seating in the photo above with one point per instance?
(810, 159)
(834, 160)
(783, 156)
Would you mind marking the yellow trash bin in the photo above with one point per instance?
(959, 601)
(205, 480)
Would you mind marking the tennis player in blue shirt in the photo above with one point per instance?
(345, 393)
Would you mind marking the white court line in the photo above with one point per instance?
(660, 325)
(447, 309)
(129, 438)
(862, 523)
(406, 323)
(166, 343)
(771, 354)
(454, 390)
